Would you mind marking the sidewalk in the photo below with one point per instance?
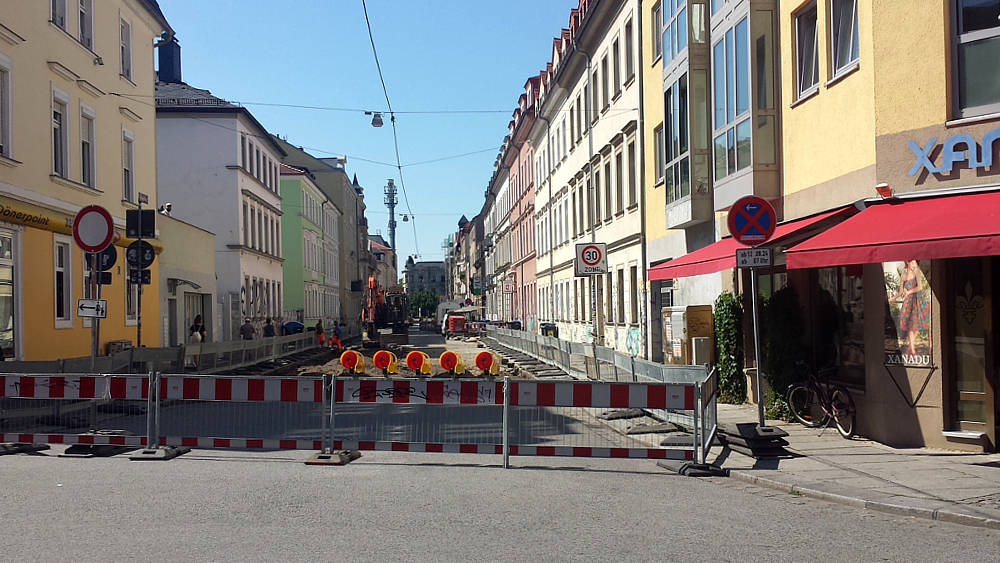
(926, 483)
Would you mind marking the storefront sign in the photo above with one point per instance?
(960, 147)
(15, 211)
(908, 313)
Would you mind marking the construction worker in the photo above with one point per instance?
(335, 337)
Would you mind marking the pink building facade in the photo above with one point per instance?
(520, 159)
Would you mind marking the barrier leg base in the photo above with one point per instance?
(692, 469)
(21, 448)
(159, 454)
(95, 450)
(338, 458)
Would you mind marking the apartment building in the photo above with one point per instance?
(76, 128)
(586, 144)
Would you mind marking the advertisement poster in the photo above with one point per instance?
(908, 318)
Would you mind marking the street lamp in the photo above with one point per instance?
(376, 118)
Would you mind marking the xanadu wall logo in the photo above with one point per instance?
(960, 147)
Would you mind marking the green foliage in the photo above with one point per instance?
(783, 330)
(423, 304)
(729, 348)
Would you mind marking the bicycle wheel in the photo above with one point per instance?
(843, 412)
(805, 406)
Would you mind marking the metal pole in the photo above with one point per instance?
(697, 427)
(327, 394)
(138, 303)
(94, 321)
(333, 409)
(151, 412)
(756, 346)
(506, 422)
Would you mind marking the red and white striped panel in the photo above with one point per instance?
(632, 453)
(419, 447)
(567, 451)
(422, 391)
(93, 387)
(242, 389)
(242, 443)
(95, 439)
(602, 395)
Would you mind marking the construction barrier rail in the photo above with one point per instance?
(204, 357)
(597, 363)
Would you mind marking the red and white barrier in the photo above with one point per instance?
(552, 451)
(85, 387)
(419, 391)
(241, 390)
(89, 439)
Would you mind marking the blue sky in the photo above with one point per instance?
(459, 65)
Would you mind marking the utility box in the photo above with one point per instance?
(680, 326)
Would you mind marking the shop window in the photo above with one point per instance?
(844, 35)
(908, 326)
(971, 328)
(63, 281)
(7, 345)
(838, 321)
(977, 42)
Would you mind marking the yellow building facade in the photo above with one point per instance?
(76, 129)
(898, 113)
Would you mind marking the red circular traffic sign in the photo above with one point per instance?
(751, 220)
(93, 228)
(591, 255)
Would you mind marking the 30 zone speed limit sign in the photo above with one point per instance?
(591, 258)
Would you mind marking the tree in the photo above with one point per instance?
(423, 304)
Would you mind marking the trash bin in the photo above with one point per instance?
(550, 329)
(514, 325)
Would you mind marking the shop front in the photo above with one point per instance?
(913, 319)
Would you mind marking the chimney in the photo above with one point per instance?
(170, 62)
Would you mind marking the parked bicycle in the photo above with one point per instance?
(815, 401)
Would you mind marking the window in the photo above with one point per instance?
(246, 227)
(675, 108)
(597, 197)
(619, 184)
(249, 166)
(63, 281)
(621, 296)
(4, 107)
(256, 170)
(128, 167)
(978, 47)
(633, 274)
(59, 13)
(604, 82)
(629, 51)
(608, 191)
(243, 152)
(86, 147)
(674, 30)
(658, 149)
(731, 87)
(657, 38)
(260, 231)
(125, 42)
(60, 166)
(617, 65)
(844, 34)
(87, 24)
(595, 98)
(633, 194)
(807, 67)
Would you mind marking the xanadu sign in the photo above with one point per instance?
(960, 147)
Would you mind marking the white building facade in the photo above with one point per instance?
(587, 156)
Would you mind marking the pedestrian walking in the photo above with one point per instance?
(268, 329)
(335, 337)
(247, 331)
(319, 332)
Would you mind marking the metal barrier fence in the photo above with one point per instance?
(205, 357)
(597, 363)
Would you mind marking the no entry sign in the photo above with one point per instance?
(751, 220)
(93, 228)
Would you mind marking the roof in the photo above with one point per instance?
(378, 246)
(154, 8)
(179, 97)
(286, 169)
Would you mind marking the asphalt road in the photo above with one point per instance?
(389, 506)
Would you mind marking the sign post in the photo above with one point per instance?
(93, 231)
(751, 221)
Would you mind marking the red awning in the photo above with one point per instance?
(907, 229)
(721, 255)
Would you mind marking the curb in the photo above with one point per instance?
(950, 512)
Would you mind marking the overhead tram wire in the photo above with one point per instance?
(395, 137)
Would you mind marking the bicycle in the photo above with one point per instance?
(815, 403)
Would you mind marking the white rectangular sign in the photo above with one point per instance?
(591, 259)
(753, 257)
(97, 308)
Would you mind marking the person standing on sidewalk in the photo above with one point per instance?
(319, 332)
(247, 331)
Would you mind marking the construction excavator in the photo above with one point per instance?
(385, 308)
